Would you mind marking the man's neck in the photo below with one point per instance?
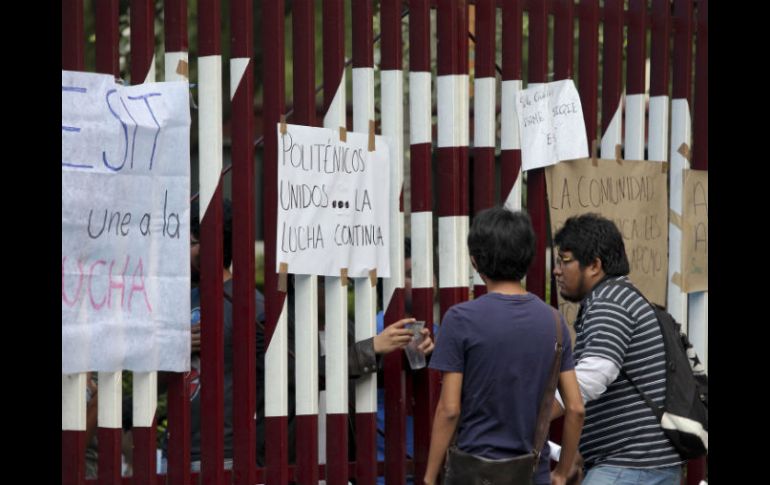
(505, 287)
(226, 275)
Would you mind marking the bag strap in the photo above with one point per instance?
(544, 414)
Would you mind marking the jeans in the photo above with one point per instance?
(615, 475)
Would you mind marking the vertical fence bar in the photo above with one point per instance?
(698, 302)
(588, 64)
(681, 133)
(72, 36)
(145, 395)
(538, 73)
(635, 88)
(110, 427)
(211, 284)
(612, 64)
(484, 107)
(178, 407)
(563, 40)
(420, 131)
(243, 363)
(306, 290)
(73, 426)
(276, 364)
(336, 328)
(392, 123)
(73, 387)
(658, 125)
(107, 37)
(510, 143)
(452, 150)
(365, 294)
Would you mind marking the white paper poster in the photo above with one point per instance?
(125, 225)
(551, 124)
(333, 203)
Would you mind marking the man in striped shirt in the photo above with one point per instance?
(617, 337)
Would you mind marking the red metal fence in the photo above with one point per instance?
(440, 169)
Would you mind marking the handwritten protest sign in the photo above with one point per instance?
(634, 196)
(125, 225)
(550, 124)
(695, 231)
(333, 203)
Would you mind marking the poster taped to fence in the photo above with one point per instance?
(125, 225)
(632, 194)
(333, 203)
(551, 124)
(695, 230)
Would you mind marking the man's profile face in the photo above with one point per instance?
(570, 277)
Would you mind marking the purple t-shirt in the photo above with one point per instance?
(504, 347)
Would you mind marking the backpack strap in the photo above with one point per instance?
(544, 414)
(656, 410)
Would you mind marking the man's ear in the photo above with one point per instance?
(595, 268)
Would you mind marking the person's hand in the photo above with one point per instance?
(195, 337)
(393, 337)
(558, 479)
(427, 344)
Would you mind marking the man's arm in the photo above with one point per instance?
(444, 423)
(594, 375)
(573, 424)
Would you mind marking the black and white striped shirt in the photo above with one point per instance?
(617, 324)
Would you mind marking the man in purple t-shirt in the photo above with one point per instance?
(496, 352)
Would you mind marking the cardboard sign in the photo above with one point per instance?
(695, 231)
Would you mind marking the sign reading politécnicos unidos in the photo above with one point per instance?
(333, 203)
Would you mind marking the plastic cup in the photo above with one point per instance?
(415, 356)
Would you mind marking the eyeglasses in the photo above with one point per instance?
(561, 261)
(194, 242)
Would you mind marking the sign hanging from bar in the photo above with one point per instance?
(125, 225)
(551, 124)
(333, 203)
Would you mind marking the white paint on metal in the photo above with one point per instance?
(151, 71)
(420, 126)
(613, 136)
(335, 116)
(73, 402)
(681, 126)
(634, 138)
(657, 133)
(452, 110)
(110, 406)
(238, 68)
(509, 122)
(422, 250)
(396, 279)
(277, 369)
(363, 98)
(484, 91)
(306, 342)
(172, 60)
(209, 127)
(453, 252)
(513, 201)
(145, 398)
(366, 327)
(698, 332)
(336, 331)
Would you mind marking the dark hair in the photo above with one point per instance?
(227, 229)
(592, 236)
(502, 243)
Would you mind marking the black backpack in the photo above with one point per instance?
(684, 416)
